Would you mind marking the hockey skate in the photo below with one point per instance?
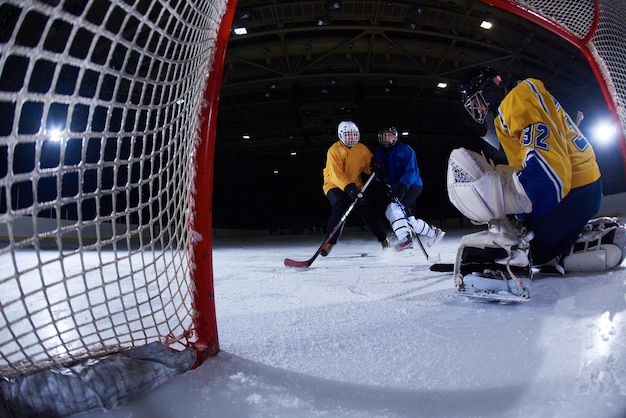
(494, 264)
(404, 244)
(495, 285)
(432, 241)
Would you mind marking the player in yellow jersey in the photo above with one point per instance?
(346, 160)
(538, 204)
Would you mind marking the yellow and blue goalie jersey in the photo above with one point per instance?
(540, 139)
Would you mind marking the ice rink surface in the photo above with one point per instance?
(367, 333)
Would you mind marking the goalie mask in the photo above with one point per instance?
(348, 133)
(482, 90)
(388, 137)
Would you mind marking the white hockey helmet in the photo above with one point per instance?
(348, 133)
(388, 137)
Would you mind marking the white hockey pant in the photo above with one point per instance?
(421, 228)
(601, 247)
(482, 192)
(397, 220)
(396, 216)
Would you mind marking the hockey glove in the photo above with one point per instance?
(398, 191)
(353, 192)
(379, 167)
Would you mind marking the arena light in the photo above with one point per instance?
(486, 25)
(54, 135)
(603, 132)
(323, 21)
(244, 14)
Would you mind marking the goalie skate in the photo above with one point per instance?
(495, 286)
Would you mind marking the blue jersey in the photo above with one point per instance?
(401, 163)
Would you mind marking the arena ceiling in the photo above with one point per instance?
(303, 66)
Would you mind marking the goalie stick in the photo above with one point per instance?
(442, 267)
(306, 263)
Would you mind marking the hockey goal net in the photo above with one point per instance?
(594, 26)
(104, 135)
(104, 239)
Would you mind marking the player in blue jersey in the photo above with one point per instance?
(395, 163)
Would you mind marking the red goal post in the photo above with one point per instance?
(596, 28)
(107, 141)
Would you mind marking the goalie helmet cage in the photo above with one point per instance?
(108, 124)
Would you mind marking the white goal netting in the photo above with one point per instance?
(100, 103)
(597, 27)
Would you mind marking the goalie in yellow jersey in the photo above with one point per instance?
(538, 206)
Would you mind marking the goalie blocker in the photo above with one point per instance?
(495, 264)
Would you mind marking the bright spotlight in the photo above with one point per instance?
(603, 132)
(55, 135)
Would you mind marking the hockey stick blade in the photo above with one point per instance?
(442, 267)
(305, 264)
(297, 264)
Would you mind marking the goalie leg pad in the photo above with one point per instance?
(600, 259)
(495, 260)
(601, 246)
